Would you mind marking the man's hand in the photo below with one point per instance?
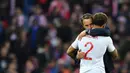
(80, 54)
(82, 34)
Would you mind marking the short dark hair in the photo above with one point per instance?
(86, 16)
(100, 19)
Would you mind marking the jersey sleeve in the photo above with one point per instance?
(75, 44)
(111, 46)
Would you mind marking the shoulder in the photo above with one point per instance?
(108, 40)
(104, 38)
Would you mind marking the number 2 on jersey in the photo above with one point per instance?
(91, 47)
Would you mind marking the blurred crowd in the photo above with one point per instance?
(34, 38)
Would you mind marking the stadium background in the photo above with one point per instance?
(35, 34)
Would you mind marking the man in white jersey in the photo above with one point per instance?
(92, 48)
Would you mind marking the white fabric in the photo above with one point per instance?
(99, 46)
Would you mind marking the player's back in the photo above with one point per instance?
(94, 48)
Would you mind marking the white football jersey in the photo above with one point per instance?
(94, 48)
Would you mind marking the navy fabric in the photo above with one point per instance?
(100, 32)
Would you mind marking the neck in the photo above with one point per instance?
(95, 26)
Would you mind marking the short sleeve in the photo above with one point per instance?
(111, 47)
(75, 43)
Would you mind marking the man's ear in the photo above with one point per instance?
(91, 25)
(103, 26)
